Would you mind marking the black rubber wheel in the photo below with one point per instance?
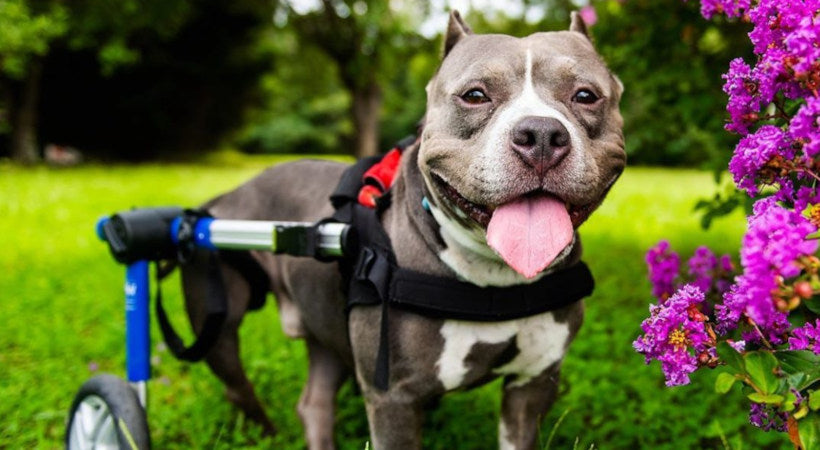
(107, 414)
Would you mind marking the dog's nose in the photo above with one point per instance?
(541, 142)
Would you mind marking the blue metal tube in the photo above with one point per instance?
(138, 344)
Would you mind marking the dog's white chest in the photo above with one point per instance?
(540, 340)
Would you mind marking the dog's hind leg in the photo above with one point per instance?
(317, 405)
(223, 358)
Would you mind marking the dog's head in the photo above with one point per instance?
(522, 140)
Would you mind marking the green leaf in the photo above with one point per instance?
(809, 431)
(765, 398)
(724, 382)
(731, 357)
(788, 403)
(813, 304)
(814, 400)
(803, 367)
(760, 366)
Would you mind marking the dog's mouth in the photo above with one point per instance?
(481, 214)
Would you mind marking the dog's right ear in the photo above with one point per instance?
(456, 30)
(577, 24)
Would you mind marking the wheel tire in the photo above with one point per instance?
(107, 414)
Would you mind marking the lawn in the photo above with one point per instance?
(62, 322)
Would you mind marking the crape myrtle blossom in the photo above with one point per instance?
(775, 241)
(663, 266)
(760, 155)
(711, 274)
(744, 101)
(732, 8)
(675, 334)
(776, 238)
(806, 337)
(767, 418)
(805, 127)
(702, 265)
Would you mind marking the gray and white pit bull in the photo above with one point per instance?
(522, 140)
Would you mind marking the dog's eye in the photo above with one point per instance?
(475, 97)
(585, 97)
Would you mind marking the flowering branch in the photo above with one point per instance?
(760, 324)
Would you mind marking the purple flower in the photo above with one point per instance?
(774, 20)
(754, 153)
(739, 346)
(776, 239)
(805, 127)
(767, 418)
(742, 90)
(806, 337)
(702, 266)
(800, 198)
(663, 269)
(726, 269)
(732, 8)
(770, 74)
(669, 333)
(752, 297)
(801, 43)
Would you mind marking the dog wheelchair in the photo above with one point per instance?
(109, 411)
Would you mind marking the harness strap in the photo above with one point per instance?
(216, 310)
(452, 299)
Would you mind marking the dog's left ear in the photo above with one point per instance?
(456, 30)
(577, 24)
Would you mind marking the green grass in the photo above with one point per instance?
(61, 321)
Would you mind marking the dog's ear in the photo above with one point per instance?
(577, 24)
(456, 30)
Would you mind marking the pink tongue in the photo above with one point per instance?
(529, 233)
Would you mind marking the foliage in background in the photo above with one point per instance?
(33, 29)
(171, 76)
(342, 66)
(670, 62)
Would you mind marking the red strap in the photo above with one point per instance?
(379, 178)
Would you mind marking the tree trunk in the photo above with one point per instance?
(367, 102)
(24, 147)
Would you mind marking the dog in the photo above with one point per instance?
(522, 140)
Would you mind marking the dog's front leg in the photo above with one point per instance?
(523, 407)
(395, 422)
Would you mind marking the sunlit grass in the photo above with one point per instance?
(62, 320)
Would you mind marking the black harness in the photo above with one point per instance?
(373, 277)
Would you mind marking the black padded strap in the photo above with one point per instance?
(216, 310)
(447, 298)
(347, 191)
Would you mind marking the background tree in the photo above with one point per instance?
(129, 78)
(365, 40)
(24, 39)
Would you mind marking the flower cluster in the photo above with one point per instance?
(806, 337)
(711, 274)
(674, 328)
(774, 105)
(767, 418)
(772, 248)
(663, 269)
(785, 36)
